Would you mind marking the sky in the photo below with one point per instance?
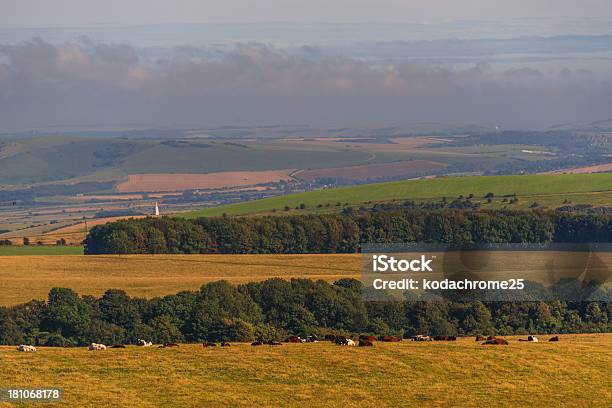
(517, 72)
(28, 13)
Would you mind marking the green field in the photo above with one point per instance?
(549, 190)
(14, 250)
(570, 373)
(56, 158)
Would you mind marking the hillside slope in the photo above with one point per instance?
(546, 189)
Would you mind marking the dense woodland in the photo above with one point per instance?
(343, 233)
(275, 308)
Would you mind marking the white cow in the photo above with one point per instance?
(144, 343)
(96, 346)
(350, 342)
(26, 349)
(420, 337)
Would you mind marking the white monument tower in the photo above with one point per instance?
(156, 209)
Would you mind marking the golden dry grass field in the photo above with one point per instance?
(23, 278)
(571, 373)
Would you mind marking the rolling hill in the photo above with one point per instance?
(546, 189)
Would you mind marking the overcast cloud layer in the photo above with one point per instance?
(20, 13)
(83, 83)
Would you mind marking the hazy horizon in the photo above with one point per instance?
(134, 12)
(469, 62)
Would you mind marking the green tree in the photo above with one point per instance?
(216, 302)
(67, 313)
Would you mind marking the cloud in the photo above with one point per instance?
(87, 83)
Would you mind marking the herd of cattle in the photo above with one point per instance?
(363, 341)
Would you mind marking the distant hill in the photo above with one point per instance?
(544, 189)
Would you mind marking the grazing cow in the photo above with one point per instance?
(530, 338)
(117, 346)
(256, 343)
(209, 344)
(368, 338)
(342, 341)
(144, 343)
(497, 341)
(224, 344)
(420, 337)
(481, 338)
(365, 343)
(26, 349)
(294, 339)
(274, 343)
(393, 339)
(445, 338)
(97, 347)
(555, 338)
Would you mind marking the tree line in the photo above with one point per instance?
(274, 309)
(344, 233)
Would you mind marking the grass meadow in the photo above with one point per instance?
(545, 189)
(571, 373)
(23, 278)
(21, 250)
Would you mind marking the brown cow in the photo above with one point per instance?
(480, 338)
(497, 341)
(368, 338)
(392, 339)
(365, 343)
(445, 338)
(491, 338)
(555, 338)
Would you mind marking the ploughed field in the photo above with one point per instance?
(180, 182)
(572, 373)
(23, 278)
